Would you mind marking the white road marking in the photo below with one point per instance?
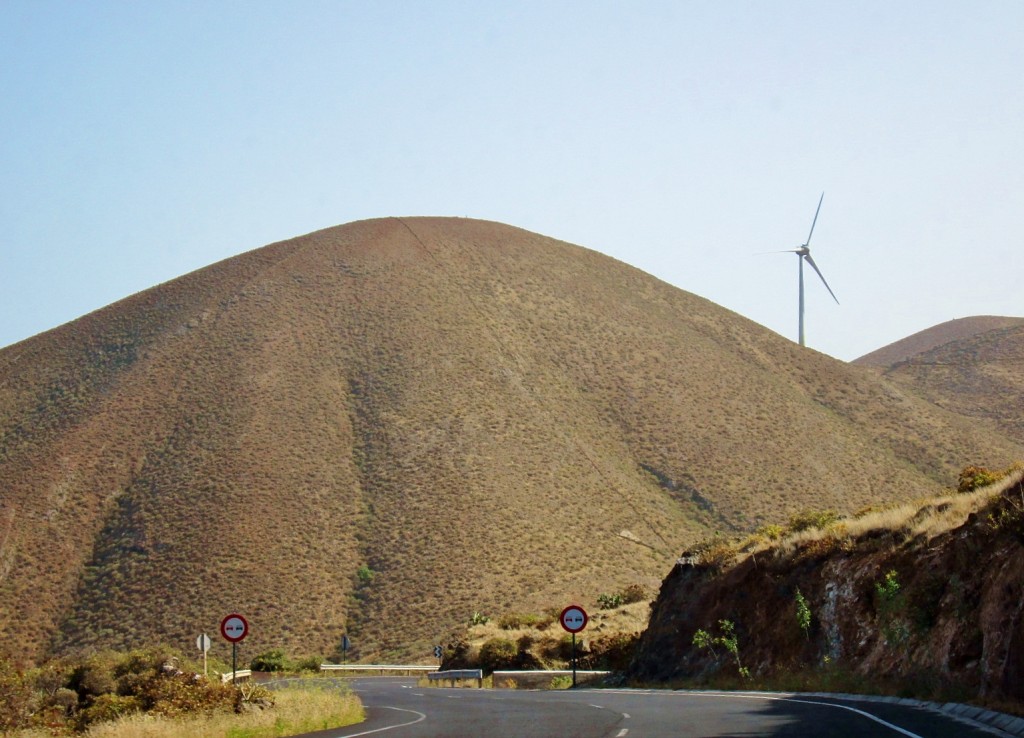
(625, 715)
(622, 733)
(598, 707)
(868, 715)
(420, 719)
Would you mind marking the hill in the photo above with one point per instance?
(380, 428)
(980, 376)
(932, 338)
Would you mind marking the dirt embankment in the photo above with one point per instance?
(939, 612)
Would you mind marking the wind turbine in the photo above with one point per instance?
(804, 254)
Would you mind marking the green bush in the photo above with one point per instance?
(497, 654)
(609, 601)
(95, 676)
(272, 660)
(813, 520)
(308, 663)
(109, 706)
(478, 618)
(973, 477)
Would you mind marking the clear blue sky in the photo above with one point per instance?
(142, 140)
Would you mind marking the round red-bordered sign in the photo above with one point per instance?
(574, 618)
(234, 628)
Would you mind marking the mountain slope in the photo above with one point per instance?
(381, 427)
(932, 338)
(980, 376)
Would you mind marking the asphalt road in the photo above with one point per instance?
(397, 708)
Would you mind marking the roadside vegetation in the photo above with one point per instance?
(518, 640)
(155, 693)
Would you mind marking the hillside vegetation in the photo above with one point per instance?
(380, 428)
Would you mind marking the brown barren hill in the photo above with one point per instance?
(980, 376)
(934, 337)
(379, 428)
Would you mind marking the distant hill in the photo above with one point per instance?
(980, 376)
(934, 337)
(380, 428)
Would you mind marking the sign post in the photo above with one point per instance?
(203, 644)
(234, 628)
(573, 619)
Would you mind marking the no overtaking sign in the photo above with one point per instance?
(234, 628)
(574, 618)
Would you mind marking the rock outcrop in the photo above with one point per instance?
(936, 609)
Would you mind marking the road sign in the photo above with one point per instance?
(573, 618)
(438, 652)
(203, 643)
(345, 643)
(234, 628)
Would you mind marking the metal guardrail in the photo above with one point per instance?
(458, 675)
(540, 678)
(240, 674)
(381, 668)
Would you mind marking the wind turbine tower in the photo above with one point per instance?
(804, 254)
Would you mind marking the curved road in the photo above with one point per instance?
(397, 708)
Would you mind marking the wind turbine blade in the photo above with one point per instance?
(784, 251)
(808, 242)
(815, 267)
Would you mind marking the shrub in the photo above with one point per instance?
(178, 694)
(272, 660)
(613, 652)
(727, 639)
(109, 706)
(94, 676)
(634, 593)
(478, 618)
(516, 620)
(609, 601)
(715, 552)
(309, 663)
(973, 477)
(497, 654)
(812, 519)
(803, 613)
(15, 698)
(771, 532)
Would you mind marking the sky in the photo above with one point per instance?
(142, 141)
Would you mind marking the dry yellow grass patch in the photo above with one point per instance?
(929, 517)
(296, 711)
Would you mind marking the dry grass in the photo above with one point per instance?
(474, 412)
(296, 711)
(925, 517)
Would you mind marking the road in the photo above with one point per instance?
(397, 708)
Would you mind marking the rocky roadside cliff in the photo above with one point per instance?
(935, 608)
